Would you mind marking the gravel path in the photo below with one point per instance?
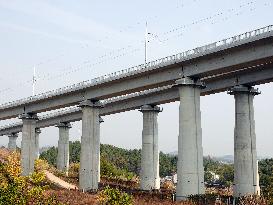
(56, 180)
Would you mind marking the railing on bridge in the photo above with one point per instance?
(141, 68)
(10, 125)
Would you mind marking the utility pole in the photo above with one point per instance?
(147, 41)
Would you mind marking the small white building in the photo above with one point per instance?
(215, 176)
(172, 178)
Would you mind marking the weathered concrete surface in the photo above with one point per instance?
(28, 143)
(63, 147)
(190, 170)
(37, 136)
(245, 155)
(12, 142)
(90, 146)
(149, 175)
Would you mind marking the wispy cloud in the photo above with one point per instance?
(27, 29)
(71, 22)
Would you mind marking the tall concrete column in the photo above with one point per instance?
(28, 143)
(12, 141)
(63, 147)
(149, 175)
(37, 135)
(190, 170)
(100, 121)
(245, 155)
(90, 146)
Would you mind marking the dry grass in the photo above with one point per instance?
(155, 201)
(73, 197)
(253, 200)
(164, 197)
(220, 191)
(4, 153)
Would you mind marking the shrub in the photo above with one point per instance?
(16, 189)
(74, 169)
(110, 196)
(208, 198)
(37, 178)
(168, 185)
(41, 165)
(110, 170)
(257, 200)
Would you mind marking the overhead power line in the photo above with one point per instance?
(85, 45)
(87, 64)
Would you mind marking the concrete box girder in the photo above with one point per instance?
(263, 74)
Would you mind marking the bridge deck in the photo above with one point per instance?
(248, 76)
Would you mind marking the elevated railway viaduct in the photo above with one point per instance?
(234, 64)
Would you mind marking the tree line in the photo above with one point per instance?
(130, 161)
(124, 159)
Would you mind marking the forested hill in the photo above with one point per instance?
(129, 160)
(122, 158)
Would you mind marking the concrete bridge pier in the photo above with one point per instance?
(149, 175)
(37, 135)
(63, 147)
(245, 155)
(12, 141)
(190, 170)
(28, 143)
(90, 146)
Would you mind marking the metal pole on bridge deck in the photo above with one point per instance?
(146, 42)
(34, 80)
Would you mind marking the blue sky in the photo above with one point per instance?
(72, 41)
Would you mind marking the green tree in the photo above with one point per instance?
(208, 177)
(225, 171)
(266, 178)
(50, 155)
(167, 164)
